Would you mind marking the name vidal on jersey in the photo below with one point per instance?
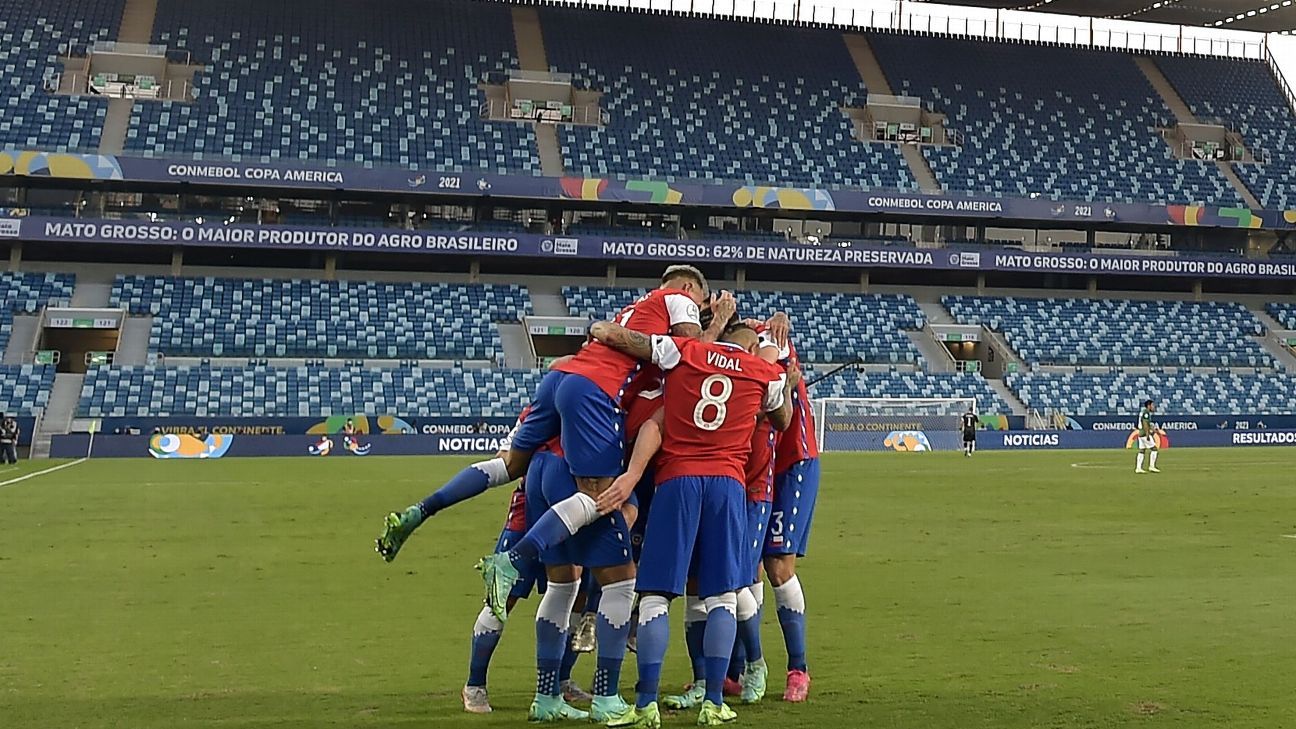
(716, 359)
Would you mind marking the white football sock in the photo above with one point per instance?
(1152, 458)
(1140, 460)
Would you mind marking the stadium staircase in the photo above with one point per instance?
(22, 339)
(57, 418)
(532, 57)
(515, 347)
(133, 344)
(876, 82)
(1002, 389)
(1282, 355)
(137, 21)
(1184, 115)
(935, 357)
(112, 139)
(136, 27)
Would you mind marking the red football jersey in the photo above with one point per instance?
(654, 313)
(798, 442)
(760, 463)
(516, 520)
(640, 410)
(713, 394)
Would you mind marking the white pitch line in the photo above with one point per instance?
(1289, 536)
(59, 467)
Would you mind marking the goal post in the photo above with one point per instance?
(890, 424)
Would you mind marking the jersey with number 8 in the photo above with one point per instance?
(713, 394)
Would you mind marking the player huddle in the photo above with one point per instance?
(673, 456)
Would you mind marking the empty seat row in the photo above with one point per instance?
(227, 317)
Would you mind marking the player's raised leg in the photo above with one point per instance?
(538, 424)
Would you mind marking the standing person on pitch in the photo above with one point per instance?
(713, 395)
(796, 488)
(970, 421)
(1147, 438)
(588, 389)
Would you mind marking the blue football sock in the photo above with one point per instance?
(551, 636)
(548, 531)
(654, 635)
(486, 636)
(568, 662)
(717, 646)
(466, 484)
(791, 615)
(694, 630)
(749, 640)
(738, 660)
(612, 627)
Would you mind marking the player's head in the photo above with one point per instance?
(971, 409)
(742, 335)
(1149, 405)
(688, 279)
(706, 315)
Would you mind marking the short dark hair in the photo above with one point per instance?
(1148, 403)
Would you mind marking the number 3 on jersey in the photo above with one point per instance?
(713, 403)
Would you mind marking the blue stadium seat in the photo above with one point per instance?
(226, 317)
(1119, 332)
(25, 389)
(698, 99)
(31, 37)
(1284, 313)
(28, 293)
(1244, 95)
(1070, 123)
(1119, 393)
(337, 81)
(304, 391)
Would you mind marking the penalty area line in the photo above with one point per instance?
(34, 474)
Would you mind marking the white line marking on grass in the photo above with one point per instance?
(1095, 465)
(1289, 536)
(34, 474)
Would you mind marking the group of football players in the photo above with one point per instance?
(673, 456)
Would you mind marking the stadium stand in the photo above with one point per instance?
(304, 391)
(870, 384)
(1284, 313)
(346, 84)
(32, 35)
(28, 293)
(1242, 94)
(25, 389)
(829, 327)
(225, 317)
(691, 98)
(1118, 332)
(1046, 120)
(1182, 393)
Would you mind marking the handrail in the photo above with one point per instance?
(1277, 73)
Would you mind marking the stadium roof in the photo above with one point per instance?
(1271, 16)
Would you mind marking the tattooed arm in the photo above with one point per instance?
(617, 337)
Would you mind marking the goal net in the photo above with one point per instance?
(890, 424)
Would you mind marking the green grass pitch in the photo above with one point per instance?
(1010, 590)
